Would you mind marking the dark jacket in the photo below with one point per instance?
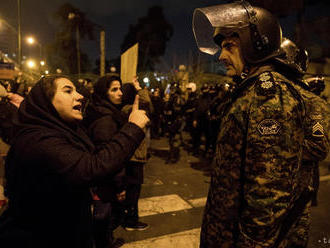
(103, 120)
(202, 106)
(49, 170)
(134, 168)
(129, 93)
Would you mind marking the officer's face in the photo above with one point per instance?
(231, 56)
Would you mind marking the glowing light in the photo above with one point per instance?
(146, 80)
(30, 40)
(31, 63)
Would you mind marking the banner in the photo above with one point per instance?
(129, 61)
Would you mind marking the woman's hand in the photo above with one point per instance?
(138, 117)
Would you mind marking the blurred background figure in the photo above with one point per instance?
(316, 84)
(189, 110)
(173, 118)
(135, 166)
(156, 116)
(201, 121)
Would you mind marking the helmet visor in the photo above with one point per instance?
(222, 19)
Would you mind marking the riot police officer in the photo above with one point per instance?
(190, 108)
(255, 182)
(293, 64)
(173, 120)
(201, 120)
(222, 92)
(316, 84)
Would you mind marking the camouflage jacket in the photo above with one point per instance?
(316, 126)
(255, 181)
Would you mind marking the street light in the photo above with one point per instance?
(31, 41)
(146, 80)
(31, 64)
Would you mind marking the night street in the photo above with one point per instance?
(118, 119)
(173, 198)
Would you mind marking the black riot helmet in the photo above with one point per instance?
(205, 88)
(175, 88)
(212, 88)
(316, 84)
(294, 58)
(259, 31)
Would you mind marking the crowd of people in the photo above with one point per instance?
(74, 169)
(81, 130)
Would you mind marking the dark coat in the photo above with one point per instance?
(103, 120)
(49, 170)
(202, 106)
(7, 112)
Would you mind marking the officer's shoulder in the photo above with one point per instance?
(268, 83)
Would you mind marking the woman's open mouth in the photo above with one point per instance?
(77, 107)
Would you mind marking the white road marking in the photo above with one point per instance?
(186, 239)
(198, 202)
(324, 178)
(162, 204)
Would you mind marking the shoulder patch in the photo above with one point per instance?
(265, 84)
(269, 127)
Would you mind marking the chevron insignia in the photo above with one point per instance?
(318, 130)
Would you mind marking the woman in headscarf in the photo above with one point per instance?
(52, 164)
(103, 120)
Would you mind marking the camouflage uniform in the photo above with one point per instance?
(255, 183)
(315, 149)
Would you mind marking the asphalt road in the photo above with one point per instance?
(173, 198)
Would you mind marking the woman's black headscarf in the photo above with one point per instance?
(103, 84)
(101, 105)
(37, 112)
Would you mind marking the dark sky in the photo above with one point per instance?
(116, 15)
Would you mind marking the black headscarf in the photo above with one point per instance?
(37, 112)
(103, 84)
(101, 105)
